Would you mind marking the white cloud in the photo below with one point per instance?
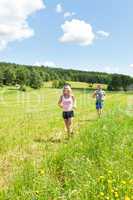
(107, 69)
(69, 14)
(13, 19)
(59, 8)
(77, 31)
(103, 33)
(50, 64)
(131, 65)
(46, 64)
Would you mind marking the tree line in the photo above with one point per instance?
(35, 77)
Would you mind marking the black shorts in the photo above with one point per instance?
(67, 115)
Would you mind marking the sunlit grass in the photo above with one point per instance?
(96, 164)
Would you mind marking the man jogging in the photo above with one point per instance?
(99, 94)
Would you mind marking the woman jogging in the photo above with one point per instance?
(67, 103)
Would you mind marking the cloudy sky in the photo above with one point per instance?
(88, 35)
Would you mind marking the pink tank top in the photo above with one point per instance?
(67, 103)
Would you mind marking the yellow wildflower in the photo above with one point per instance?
(101, 194)
(123, 182)
(37, 192)
(131, 181)
(42, 172)
(116, 195)
(127, 198)
(101, 177)
(112, 190)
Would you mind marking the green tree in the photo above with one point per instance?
(21, 76)
(1, 78)
(9, 76)
(125, 82)
(61, 83)
(36, 81)
(55, 84)
(115, 83)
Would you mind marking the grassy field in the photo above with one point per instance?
(36, 162)
(78, 85)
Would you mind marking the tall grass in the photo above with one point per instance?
(95, 164)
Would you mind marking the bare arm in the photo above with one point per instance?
(94, 94)
(74, 102)
(104, 95)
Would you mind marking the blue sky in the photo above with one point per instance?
(88, 35)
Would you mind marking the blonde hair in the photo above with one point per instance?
(67, 87)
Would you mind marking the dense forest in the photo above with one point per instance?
(35, 77)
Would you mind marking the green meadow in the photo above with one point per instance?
(38, 163)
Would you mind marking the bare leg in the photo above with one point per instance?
(70, 125)
(65, 121)
(67, 126)
(99, 111)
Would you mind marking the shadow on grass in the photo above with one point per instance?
(49, 140)
(87, 120)
(13, 89)
(86, 90)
